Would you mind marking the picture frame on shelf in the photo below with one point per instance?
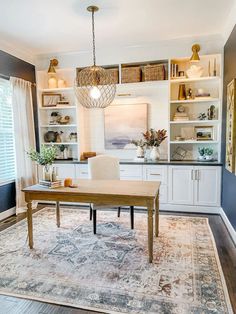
(50, 99)
(231, 127)
(204, 133)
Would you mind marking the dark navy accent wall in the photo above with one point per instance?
(228, 179)
(12, 66)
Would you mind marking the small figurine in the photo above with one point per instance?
(190, 93)
(202, 116)
(211, 112)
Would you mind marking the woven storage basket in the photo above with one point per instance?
(114, 77)
(131, 74)
(155, 72)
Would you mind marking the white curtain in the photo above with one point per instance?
(24, 138)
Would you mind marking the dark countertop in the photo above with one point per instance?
(151, 162)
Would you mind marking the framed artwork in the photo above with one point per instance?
(230, 127)
(204, 133)
(124, 123)
(50, 100)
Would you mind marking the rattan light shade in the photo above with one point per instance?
(94, 87)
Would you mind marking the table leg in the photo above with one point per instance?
(150, 230)
(30, 224)
(157, 215)
(58, 214)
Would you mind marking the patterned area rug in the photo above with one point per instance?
(110, 271)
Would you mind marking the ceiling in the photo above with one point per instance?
(52, 26)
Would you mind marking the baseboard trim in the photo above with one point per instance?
(190, 209)
(228, 225)
(7, 213)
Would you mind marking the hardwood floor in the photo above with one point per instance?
(225, 246)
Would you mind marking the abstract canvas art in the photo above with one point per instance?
(231, 127)
(124, 123)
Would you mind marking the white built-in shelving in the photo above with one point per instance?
(163, 89)
(211, 83)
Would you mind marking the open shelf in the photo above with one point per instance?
(196, 122)
(197, 79)
(55, 90)
(195, 100)
(194, 142)
(57, 108)
(58, 126)
(62, 143)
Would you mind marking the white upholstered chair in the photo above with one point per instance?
(105, 167)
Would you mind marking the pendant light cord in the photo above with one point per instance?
(93, 32)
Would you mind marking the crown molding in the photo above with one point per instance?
(17, 51)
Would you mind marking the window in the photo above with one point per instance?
(7, 145)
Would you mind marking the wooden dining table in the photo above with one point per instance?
(107, 192)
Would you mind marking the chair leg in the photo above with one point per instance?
(118, 212)
(132, 217)
(94, 221)
(90, 212)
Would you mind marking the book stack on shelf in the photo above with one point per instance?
(50, 184)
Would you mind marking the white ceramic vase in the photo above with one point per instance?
(139, 152)
(155, 153)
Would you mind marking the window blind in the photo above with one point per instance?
(7, 145)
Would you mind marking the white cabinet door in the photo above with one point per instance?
(180, 189)
(207, 185)
(65, 170)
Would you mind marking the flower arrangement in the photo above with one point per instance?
(139, 143)
(45, 157)
(154, 138)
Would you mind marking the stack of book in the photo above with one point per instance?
(51, 185)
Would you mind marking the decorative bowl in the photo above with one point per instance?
(194, 71)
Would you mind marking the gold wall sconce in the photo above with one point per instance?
(52, 65)
(195, 56)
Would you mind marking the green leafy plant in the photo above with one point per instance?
(201, 151)
(46, 155)
(208, 151)
(154, 138)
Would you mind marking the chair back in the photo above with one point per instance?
(104, 168)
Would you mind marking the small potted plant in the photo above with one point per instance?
(45, 158)
(208, 153)
(201, 151)
(140, 144)
(153, 139)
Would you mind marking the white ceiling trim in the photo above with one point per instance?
(17, 52)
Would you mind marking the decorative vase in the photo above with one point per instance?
(155, 153)
(139, 152)
(47, 173)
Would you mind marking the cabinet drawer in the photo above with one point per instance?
(82, 171)
(156, 173)
(131, 172)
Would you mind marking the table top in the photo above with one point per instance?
(145, 189)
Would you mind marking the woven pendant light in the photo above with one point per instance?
(94, 87)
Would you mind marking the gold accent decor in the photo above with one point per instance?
(95, 86)
(52, 65)
(231, 127)
(195, 56)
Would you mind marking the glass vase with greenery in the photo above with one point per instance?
(45, 158)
